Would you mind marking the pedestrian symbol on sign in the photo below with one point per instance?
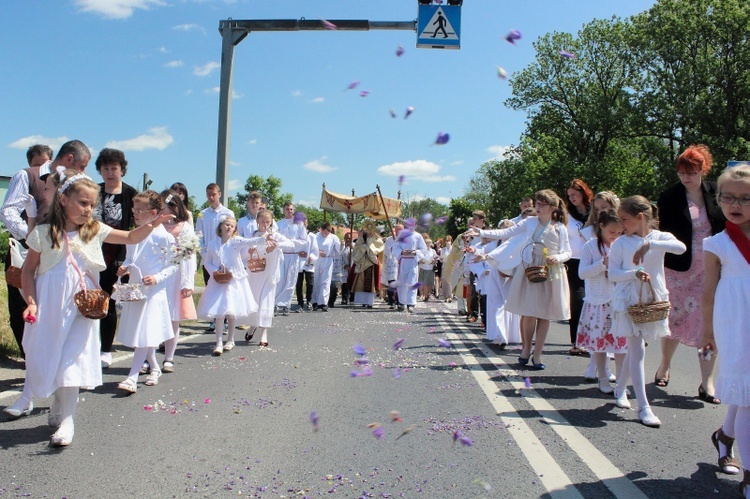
(439, 24)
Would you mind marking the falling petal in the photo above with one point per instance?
(328, 24)
(466, 441)
(315, 420)
(453, 364)
(396, 417)
(396, 372)
(441, 220)
(444, 343)
(362, 361)
(426, 219)
(399, 51)
(513, 36)
(148, 407)
(456, 435)
(567, 55)
(392, 113)
(352, 85)
(378, 433)
(401, 179)
(501, 73)
(359, 349)
(416, 285)
(406, 431)
(364, 93)
(408, 112)
(399, 343)
(442, 139)
(527, 382)
(354, 374)
(410, 223)
(207, 401)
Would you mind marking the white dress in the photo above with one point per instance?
(148, 322)
(408, 266)
(263, 284)
(234, 298)
(62, 346)
(731, 319)
(622, 271)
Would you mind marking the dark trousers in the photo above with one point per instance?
(392, 294)
(483, 308)
(345, 292)
(577, 293)
(309, 280)
(473, 297)
(334, 293)
(16, 306)
(108, 325)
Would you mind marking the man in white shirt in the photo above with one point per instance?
(329, 247)
(17, 206)
(294, 231)
(408, 250)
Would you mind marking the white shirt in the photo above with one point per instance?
(13, 205)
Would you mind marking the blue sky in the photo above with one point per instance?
(143, 76)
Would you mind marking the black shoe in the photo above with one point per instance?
(315, 306)
(400, 308)
(323, 308)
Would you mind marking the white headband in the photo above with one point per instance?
(73, 179)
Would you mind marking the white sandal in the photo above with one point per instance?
(153, 378)
(127, 386)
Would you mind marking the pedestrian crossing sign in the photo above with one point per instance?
(439, 27)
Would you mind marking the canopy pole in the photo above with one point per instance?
(351, 235)
(385, 210)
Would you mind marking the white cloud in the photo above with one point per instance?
(234, 163)
(311, 204)
(456, 163)
(318, 165)
(296, 93)
(235, 184)
(252, 142)
(443, 200)
(188, 92)
(318, 99)
(418, 168)
(188, 27)
(116, 9)
(174, 64)
(156, 138)
(163, 50)
(498, 152)
(26, 142)
(437, 178)
(206, 69)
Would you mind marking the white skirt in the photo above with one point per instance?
(147, 322)
(233, 299)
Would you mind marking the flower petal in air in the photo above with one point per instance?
(567, 55)
(399, 51)
(328, 24)
(392, 113)
(442, 139)
(364, 93)
(501, 73)
(513, 36)
(416, 285)
(399, 343)
(527, 382)
(352, 85)
(408, 112)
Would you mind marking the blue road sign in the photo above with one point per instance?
(439, 27)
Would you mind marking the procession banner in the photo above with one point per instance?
(369, 204)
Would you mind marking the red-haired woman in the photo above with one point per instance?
(690, 211)
(578, 200)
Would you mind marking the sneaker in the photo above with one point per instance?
(219, 349)
(285, 311)
(299, 309)
(648, 418)
(228, 346)
(621, 399)
(605, 387)
(308, 307)
(106, 359)
(211, 327)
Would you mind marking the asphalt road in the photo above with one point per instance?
(239, 424)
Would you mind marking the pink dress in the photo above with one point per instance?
(187, 305)
(686, 288)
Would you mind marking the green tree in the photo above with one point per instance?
(270, 189)
(460, 213)
(314, 216)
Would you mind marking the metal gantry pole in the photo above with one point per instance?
(233, 32)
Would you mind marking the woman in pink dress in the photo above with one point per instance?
(690, 211)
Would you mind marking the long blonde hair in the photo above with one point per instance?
(57, 219)
(611, 199)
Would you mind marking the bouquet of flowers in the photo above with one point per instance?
(187, 246)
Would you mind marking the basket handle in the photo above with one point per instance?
(640, 293)
(532, 243)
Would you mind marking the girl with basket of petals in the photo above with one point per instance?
(146, 322)
(227, 293)
(61, 344)
(640, 306)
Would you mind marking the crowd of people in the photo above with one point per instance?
(622, 272)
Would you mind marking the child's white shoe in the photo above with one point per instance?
(219, 348)
(63, 436)
(605, 387)
(228, 346)
(648, 418)
(621, 399)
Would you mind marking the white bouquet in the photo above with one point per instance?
(188, 244)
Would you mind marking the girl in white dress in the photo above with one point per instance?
(146, 323)
(538, 302)
(594, 328)
(182, 284)
(62, 346)
(636, 258)
(232, 300)
(263, 283)
(726, 317)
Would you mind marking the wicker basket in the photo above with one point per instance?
(13, 276)
(92, 303)
(648, 312)
(255, 263)
(222, 276)
(535, 273)
(127, 291)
